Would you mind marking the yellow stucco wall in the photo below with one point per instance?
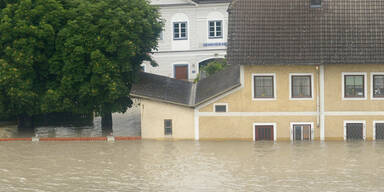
(154, 113)
(282, 102)
(333, 89)
(242, 127)
(334, 126)
(236, 125)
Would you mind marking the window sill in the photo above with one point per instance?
(354, 98)
(180, 39)
(215, 37)
(264, 99)
(301, 98)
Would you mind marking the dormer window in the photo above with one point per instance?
(315, 3)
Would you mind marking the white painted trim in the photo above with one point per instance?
(354, 113)
(226, 107)
(314, 113)
(371, 87)
(355, 121)
(261, 124)
(242, 76)
(290, 85)
(253, 86)
(374, 129)
(253, 114)
(196, 126)
(208, 102)
(302, 123)
(322, 103)
(365, 85)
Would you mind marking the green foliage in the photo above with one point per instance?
(215, 66)
(73, 55)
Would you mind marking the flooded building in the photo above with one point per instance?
(300, 70)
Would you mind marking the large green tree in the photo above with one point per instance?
(82, 58)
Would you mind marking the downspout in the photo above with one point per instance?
(318, 97)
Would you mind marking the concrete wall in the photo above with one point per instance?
(154, 113)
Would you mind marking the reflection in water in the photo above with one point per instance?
(127, 124)
(191, 166)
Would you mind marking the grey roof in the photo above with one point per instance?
(218, 84)
(291, 32)
(162, 88)
(186, 93)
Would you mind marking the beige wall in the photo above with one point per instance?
(333, 89)
(282, 102)
(242, 127)
(238, 125)
(154, 113)
(334, 126)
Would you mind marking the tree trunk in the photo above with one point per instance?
(106, 124)
(25, 124)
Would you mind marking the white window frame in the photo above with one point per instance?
(290, 86)
(374, 129)
(371, 88)
(226, 107)
(261, 124)
(302, 123)
(343, 74)
(253, 86)
(355, 121)
(215, 31)
(186, 30)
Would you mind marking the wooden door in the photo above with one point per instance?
(181, 72)
(263, 132)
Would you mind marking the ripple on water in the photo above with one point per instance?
(191, 166)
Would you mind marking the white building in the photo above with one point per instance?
(195, 31)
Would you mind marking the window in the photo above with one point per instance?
(302, 132)
(354, 86)
(264, 131)
(315, 3)
(354, 130)
(378, 130)
(378, 86)
(161, 35)
(263, 86)
(301, 86)
(221, 108)
(215, 29)
(167, 127)
(180, 30)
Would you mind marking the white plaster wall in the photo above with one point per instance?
(191, 51)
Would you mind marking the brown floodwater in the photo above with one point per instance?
(191, 166)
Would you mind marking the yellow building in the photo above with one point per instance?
(300, 70)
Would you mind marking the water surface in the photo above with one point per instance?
(191, 166)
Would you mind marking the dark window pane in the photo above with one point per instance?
(354, 86)
(263, 87)
(167, 127)
(220, 108)
(379, 131)
(354, 130)
(315, 3)
(378, 85)
(301, 86)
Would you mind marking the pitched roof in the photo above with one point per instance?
(218, 84)
(186, 93)
(291, 32)
(162, 88)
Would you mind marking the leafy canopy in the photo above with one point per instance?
(73, 55)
